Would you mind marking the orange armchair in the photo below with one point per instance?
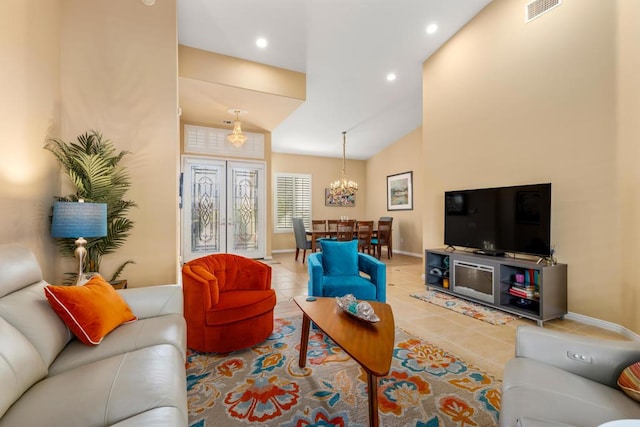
(228, 302)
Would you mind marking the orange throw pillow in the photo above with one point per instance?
(91, 311)
(629, 381)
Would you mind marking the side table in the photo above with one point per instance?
(119, 284)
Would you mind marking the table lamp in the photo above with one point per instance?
(78, 220)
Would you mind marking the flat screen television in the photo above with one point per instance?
(498, 220)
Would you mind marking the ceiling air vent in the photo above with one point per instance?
(538, 7)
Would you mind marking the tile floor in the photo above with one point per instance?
(478, 343)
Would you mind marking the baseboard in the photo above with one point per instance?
(282, 251)
(603, 324)
(408, 253)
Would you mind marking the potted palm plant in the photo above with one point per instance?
(92, 164)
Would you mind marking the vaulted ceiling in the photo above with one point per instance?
(346, 49)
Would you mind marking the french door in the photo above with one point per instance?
(223, 208)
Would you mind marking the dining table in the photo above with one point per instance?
(315, 235)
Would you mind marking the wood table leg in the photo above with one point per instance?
(304, 341)
(373, 399)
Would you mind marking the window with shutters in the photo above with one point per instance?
(292, 199)
(207, 140)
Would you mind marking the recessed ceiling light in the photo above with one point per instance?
(148, 2)
(391, 77)
(432, 28)
(261, 42)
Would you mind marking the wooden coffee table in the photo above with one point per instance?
(369, 344)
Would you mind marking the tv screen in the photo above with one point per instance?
(495, 220)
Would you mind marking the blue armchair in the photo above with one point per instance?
(335, 272)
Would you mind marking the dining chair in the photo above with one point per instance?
(383, 238)
(345, 230)
(319, 227)
(318, 231)
(301, 238)
(365, 234)
(332, 225)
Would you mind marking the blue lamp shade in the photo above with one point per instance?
(79, 219)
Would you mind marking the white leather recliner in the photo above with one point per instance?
(559, 379)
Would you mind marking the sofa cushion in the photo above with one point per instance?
(105, 392)
(340, 258)
(629, 381)
(158, 417)
(531, 388)
(153, 301)
(20, 365)
(28, 311)
(167, 329)
(19, 268)
(339, 286)
(91, 311)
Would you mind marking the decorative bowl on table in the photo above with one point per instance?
(361, 310)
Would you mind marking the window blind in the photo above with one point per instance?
(292, 200)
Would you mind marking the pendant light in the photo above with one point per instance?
(343, 186)
(236, 137)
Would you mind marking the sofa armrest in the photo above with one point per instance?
(316, 274)
(152, 301)
(377, 271)
(597, 359)
(539, 422)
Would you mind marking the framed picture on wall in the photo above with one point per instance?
(343, 200)
(400, 192)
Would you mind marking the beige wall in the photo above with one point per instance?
(213, 67)
(404, 155)
(509, 103)
(371, 200)
(29, 106)
(119, 76)
(628, 155)
(323, 170)
(210, 84)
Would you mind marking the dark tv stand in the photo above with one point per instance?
(488, 252)
(546, 283)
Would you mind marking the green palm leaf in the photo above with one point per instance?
(92, 166)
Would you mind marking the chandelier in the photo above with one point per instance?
(236, 137)
(343, 186)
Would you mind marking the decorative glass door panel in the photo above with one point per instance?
(223, 208)
(244, 208)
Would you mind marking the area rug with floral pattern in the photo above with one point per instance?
(468, 308)
(263, 386)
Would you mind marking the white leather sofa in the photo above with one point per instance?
(559, 380)
(134, 377)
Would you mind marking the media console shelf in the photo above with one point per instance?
(518, 286)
